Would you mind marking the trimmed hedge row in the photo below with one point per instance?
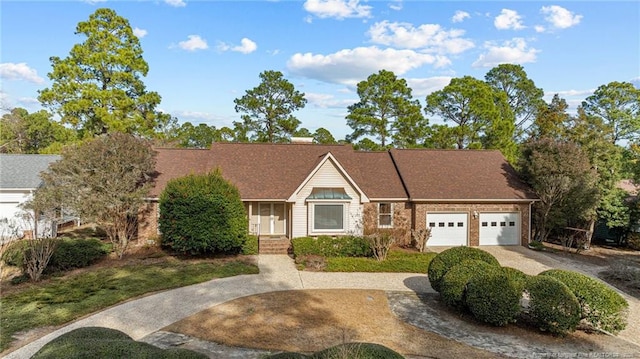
(601, 307)
(326, 246)
(445, 260)
(69, 254)
(552, 306)
(454, 282)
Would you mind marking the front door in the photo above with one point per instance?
(272, 218)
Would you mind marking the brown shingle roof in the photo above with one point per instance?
(459, 175)
(264, 171)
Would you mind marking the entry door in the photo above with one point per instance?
(272, 218)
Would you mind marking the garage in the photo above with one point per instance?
(448, 229)
(499, 229)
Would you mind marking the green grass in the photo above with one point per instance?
(66, 298)
(397, 261)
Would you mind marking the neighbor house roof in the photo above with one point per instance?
(459, 175)
(18, 171)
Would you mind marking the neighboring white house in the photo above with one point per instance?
(19, 178)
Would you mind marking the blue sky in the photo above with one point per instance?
(204, 54)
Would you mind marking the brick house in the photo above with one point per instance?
(293, 190)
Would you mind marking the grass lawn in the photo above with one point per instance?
(63, 299)
(397, 261)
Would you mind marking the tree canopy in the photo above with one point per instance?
(98, 88)
(387, 112)
(103, 180)
(268, 109)
(24, 132)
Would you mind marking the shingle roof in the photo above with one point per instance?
(23, 171)
(265, 171)
(459, 175)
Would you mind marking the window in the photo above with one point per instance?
(450, 224)
(460, 224)
(328, 217)
(432, 224)
(512, 224)
(385, 215)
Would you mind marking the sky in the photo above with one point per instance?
(204, 54)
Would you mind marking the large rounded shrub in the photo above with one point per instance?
(358, 351)
(517, 276)
(202, 214)
(76, 253)
(552, 306)
(454, 283)
(601, 306)
(448, 258)
(493, 296)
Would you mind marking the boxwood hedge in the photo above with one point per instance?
(454, 283)
(448, 258)
(326, 246)
(602, 307)
(493, 296)
(552, 306)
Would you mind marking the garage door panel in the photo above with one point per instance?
(500, 228)
(447, 229)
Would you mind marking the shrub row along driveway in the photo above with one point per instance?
(142, 317)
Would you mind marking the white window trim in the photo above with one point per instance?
(390, 214)
(312, 214)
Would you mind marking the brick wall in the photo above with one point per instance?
(421, 209)
(402, 221)
(148, 221)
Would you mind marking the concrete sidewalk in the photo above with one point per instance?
(141, 317)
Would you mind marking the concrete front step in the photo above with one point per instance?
(274, 246)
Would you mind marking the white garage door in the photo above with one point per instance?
(447, 229)
(499, 228)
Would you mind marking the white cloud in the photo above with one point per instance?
(338, 9)
(559, 17)
(351, 66)
(322, 100)
(422, 87)
(194, 43)
(508, 20)
(175, 3)
(514, 51)
(539, 28)
(246, 46)
(19, 71)
(460, 16)
(395, 5)
(140, 33)
(428, 37)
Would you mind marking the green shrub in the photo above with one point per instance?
(601, 306)
(358, 351)
(250, 246)
(493, 297)
(287, 355)
(76, 253)
(13, 255)
(326, 246)
(94, 342)
(552, 306)
(517, 276)
(448, 258)
(202, 214)
(454, 283)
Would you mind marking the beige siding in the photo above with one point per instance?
(327, 175)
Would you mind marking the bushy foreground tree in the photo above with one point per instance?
(202, 214)
(103, 180)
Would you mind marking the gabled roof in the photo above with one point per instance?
(266, 171)
(18, 171)
(481, 175)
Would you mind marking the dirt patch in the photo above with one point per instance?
(311, 320)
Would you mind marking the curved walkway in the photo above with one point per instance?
(142, 317)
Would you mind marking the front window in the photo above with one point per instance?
(328, 217)
(385, 215)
